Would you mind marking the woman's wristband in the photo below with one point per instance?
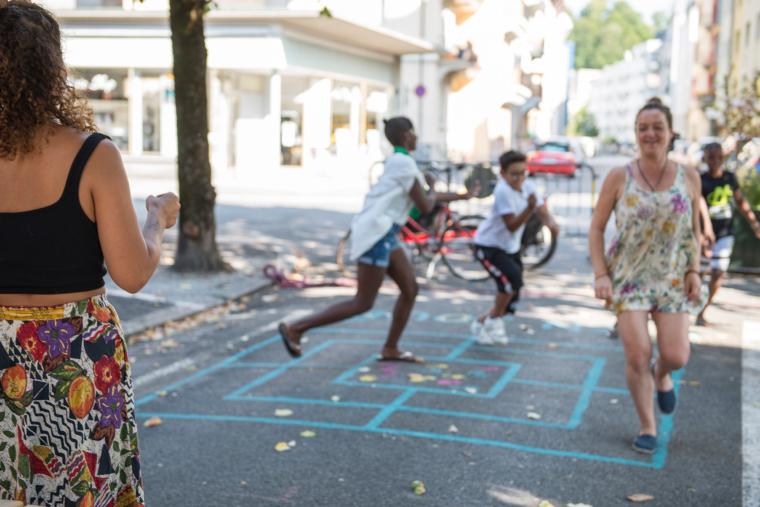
(601, 275)
(695, 271)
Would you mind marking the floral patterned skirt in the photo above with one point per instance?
(67, 418)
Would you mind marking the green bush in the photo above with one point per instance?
(747, 247)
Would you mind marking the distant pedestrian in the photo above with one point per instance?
(376, 248)
(652, 264)
(498, 241)
(68, 434)
(720, 191)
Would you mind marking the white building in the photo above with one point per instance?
(623, 87)
(502, 76)
(287, 83)
(581, 88)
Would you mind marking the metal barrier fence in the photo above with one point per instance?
(571, 199)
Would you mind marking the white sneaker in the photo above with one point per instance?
(496, 331)
(481, 333)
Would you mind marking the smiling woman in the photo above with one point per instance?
(652, 265)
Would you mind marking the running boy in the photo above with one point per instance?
(497, 241)
(376, 248)
(718, 187)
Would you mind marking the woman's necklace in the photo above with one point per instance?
(659, 180)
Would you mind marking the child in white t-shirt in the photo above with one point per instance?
(375, 245)
(498, 240)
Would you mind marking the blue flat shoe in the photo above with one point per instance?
(645, 444)
(666, 400)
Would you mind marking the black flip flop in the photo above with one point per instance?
(293, 348)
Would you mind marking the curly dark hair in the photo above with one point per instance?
(35, 91)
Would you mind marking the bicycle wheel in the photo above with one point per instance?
(458, 252)
(342, 252)
(538, 244)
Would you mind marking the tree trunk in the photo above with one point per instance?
(196, 249)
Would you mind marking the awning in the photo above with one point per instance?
(338, 30)
(330, 29)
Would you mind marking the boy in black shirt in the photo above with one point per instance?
(718, 187)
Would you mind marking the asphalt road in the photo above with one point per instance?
(545, 418)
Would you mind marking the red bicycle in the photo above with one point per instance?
(447, 237)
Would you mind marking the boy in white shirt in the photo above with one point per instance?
(376, 248)
(498, 241)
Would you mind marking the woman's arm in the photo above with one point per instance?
(692, 281)
(608, 196)
(131, 255)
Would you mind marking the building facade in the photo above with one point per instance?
(623, 87)
(289, 83)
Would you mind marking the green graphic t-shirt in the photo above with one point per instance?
(719, 194)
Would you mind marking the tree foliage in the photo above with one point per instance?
(742, 109)
(604, 33)
(583, 123)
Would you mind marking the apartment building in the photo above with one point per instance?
(623, 87)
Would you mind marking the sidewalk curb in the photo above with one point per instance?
(159, 317)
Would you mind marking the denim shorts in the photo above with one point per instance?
(380, 253)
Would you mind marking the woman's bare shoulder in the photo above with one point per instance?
(616, 176)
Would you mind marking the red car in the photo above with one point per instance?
(552, 157)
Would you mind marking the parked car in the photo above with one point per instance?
(553, 157)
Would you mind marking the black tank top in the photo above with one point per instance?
(55, 249)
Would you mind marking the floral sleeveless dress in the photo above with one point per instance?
(653, 248)
(68, 436)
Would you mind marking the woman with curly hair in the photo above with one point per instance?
(67, 419)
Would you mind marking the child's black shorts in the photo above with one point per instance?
(505, 268)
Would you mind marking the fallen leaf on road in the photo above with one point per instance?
(694, 383)
(335, 398)
(429, 378)
(416, 378)
(453, 429)
(292, 443)
(640, 498)
(243, 483)
(545, 503)
(169, 343)
(614, 401)
(162, 393)
(281, 447)
(552, 346)
(578, 505)
(457, 376)
(471, 390)
(283, 412)
(367, 378)
(365, 369)
(153, 421)
(308, 434)
(418, 487)
(534, 415)
(442, 366)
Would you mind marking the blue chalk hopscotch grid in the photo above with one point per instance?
(398, 405)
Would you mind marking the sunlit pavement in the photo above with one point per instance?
(545, 418)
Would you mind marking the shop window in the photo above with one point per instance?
(104, 90)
